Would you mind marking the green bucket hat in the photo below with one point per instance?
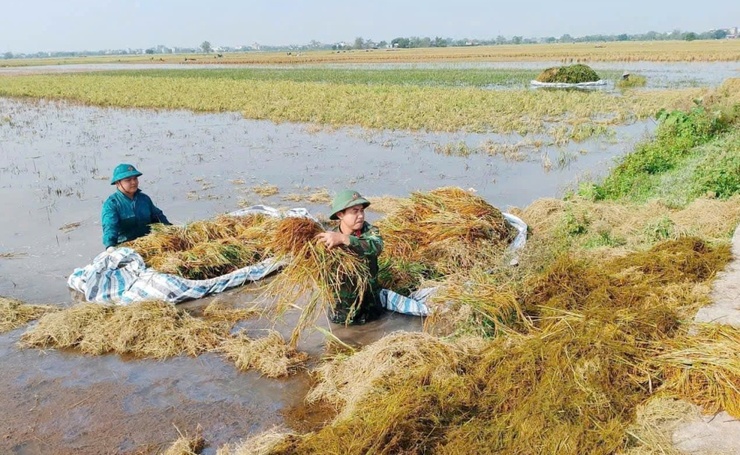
(123, 171)
(344, 200)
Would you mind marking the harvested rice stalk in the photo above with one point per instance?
(220, 311)
(270, 355)
(292, 234)
(443, 231)
(208, 248)
(187, 445)
(313, 272)
(152, 329)
(14, 313)
(494, 305)
(263, 443)
(317, 274)
(347, 381)
(704, 368)
(657, 420)
(67, 328)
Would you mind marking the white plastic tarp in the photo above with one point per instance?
(593, 84)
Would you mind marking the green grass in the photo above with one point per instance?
(695, 153)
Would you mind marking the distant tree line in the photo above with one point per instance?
(399, 42)
(415, 41)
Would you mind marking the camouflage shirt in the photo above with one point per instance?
(368, 244)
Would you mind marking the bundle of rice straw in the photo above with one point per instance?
(345, 382)
(704, 368)
(439, 233)
(271, 355)
(187, 445)
(151, 329)
(208, 248)
(313, 272)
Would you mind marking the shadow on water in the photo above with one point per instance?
(55, 161)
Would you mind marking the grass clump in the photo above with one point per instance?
(14, 313)
(696, 145)
(270, 355)
(151, 329)
(571, 74)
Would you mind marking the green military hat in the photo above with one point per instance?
(344, 200)
(123, 171)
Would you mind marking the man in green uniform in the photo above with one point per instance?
(363, 239)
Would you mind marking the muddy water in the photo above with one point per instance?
(55, 162)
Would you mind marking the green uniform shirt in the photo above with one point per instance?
(367, 244)
(125, 219)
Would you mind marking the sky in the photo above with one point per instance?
(29, 26)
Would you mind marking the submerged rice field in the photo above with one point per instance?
(585, 346)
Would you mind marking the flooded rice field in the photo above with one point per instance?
(55, 164)
(659, 75)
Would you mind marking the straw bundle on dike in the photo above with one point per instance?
(598, 229)
(151, 329)
(704, 368)
(568, 382)
(208, 248)
(438, 233)
(314, 274)
(571, 74)
(655, 423)
(270, 355)
(14, 313)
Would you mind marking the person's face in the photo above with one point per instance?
(128, 186)
(351, 219)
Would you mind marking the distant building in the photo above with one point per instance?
(732, 32)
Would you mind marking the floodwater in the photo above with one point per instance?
(55, 164)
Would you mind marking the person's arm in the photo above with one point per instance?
(370, 243)
(109, 220)
(158, 216)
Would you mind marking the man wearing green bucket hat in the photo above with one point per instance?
(363, 239)
(128, 212)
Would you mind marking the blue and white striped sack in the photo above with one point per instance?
(121, 277)
(414, 304)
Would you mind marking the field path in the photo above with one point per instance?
(716, 434)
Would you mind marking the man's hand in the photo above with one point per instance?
(333, 239)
